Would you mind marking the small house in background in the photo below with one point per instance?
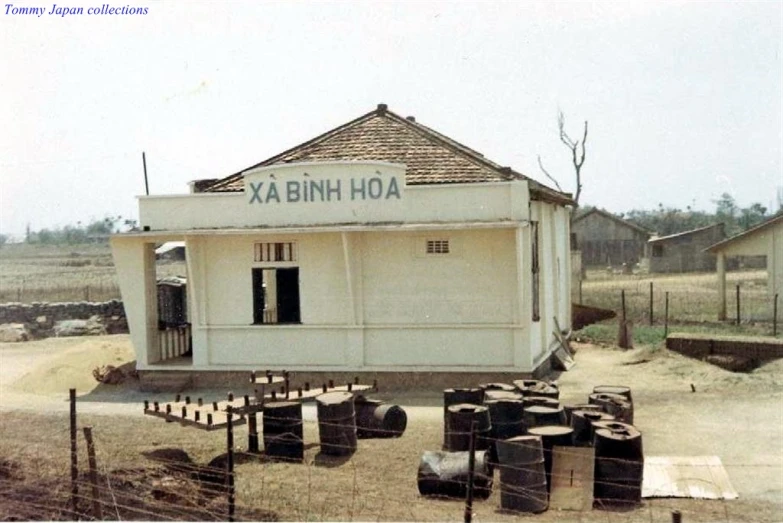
(172, 302)
(685, 251)
(607, 240)
(765, 239)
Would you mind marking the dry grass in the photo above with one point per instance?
(30, 273)
(693, 297)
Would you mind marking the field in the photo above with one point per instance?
(30, 273)
(693, 297)
(734, 416)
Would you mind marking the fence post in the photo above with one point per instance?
(738, 304)
(86, 293)
(651, 303)
(97, 513)
(230, 459)
(74, 463)
(622, 299)
(666, 317)
(471, 473)
(775, 316)
(676, 516)
(580, 291)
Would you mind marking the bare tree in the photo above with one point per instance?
(578, 153)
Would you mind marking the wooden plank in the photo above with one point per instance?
(572, 478)
(697, 477)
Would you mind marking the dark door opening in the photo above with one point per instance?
(276, 296)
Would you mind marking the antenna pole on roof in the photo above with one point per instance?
(146, 183)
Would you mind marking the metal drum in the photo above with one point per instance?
(581, 406)
(502, 395)
(615, 404)
(506, 418)
(551, 436)
(537, 388)
(474, 396)
(523, 485)
(283, 436)
(375, 419)
(582, 423)
(622, 390)
(497, 386)
(537, 416)
(336, 423)
(447, 473)
(460, 419)
(619, 463)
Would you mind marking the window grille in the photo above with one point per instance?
(275, 252)
(438, 247)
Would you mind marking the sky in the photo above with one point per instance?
(683, 99)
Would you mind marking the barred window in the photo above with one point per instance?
(275, 252)
(438, 247)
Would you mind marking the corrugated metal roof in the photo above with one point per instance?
(429, 157)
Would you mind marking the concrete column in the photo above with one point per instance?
(194, 251)
(721, 266)
(522, 354)
(151, 304)
(354, 355)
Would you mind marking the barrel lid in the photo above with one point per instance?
(494, 394)
(551, 430)
(497, 386)
(469, 389)
(542, 400)
(528, 438)
(612, 389)
(592, 415)
(467, 408)
(608, 396)
(334, 398)
(541, 409)
(616, 430)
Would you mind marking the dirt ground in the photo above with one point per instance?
(738, 417)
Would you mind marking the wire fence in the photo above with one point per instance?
(684, 298)
(152, 478)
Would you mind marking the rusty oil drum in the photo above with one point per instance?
(446, 474)
(460, 420)
(336, 423)
(474, 396)
(282, 431)
(552, 436)
(523, 484)
(582, 421)
(619, 463)
(376, 419)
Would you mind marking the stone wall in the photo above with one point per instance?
(39, 318)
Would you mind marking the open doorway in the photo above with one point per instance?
(276, 295)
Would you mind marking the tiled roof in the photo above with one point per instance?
(430, 157)
(685, 233)
(777, 218)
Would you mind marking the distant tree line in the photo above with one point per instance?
(96, 231)
(671, 220)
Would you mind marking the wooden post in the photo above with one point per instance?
(666, 317)
(721, 265)
(738, 304)
(775, 316)
(230, 460)
(651, 303)
(74, 463)
(97, 513)
(622, 299)
(580, 292)
(676, 516)
(471, 473)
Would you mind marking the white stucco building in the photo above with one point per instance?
(378, 247)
